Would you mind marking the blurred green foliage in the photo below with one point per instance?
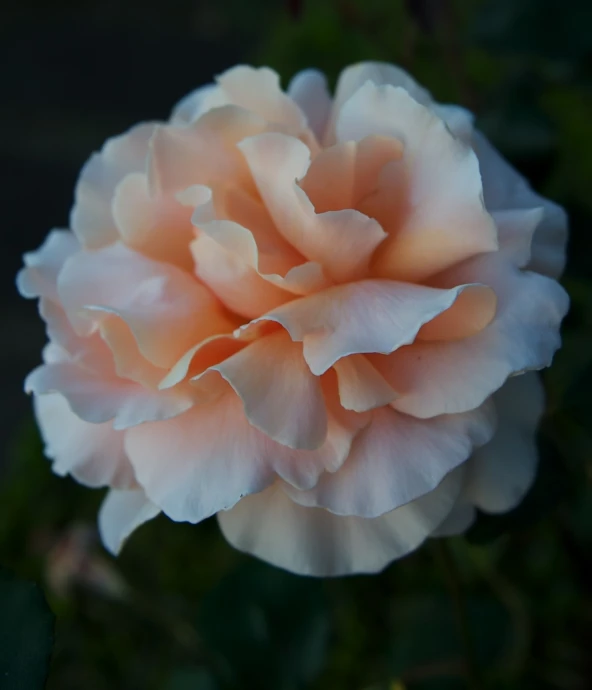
(180, 610)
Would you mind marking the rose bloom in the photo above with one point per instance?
(317, 318)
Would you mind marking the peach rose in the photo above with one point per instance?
(309, 316)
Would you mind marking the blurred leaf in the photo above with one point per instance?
(427, 651)
(191, 679)
(269, 628)
(26, 635)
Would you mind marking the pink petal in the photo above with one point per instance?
(341, 241)
(91, 218)
(361, 387)
(121, 513)
(313, 541)
(396, 459)
(92, 453)
(280, 395)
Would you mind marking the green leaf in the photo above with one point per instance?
(268, 628)
(191, 679)
(26, 634)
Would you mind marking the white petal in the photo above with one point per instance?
(309, 90)
(313, 541)
(121, 513)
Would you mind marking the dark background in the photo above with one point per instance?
(180, 610)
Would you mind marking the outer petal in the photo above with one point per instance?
(40, 275)
(192, 106)
(436, 378)
(97, 398)
(280, 395)
(341, 241)
(313, 541)
(500, 473)
(459, 520)
(91, 218)
(308, 89)
(167, 310)
(446, 220)
(215, 457)
(365, 317)
(121, 513)
(396, 459)
(92, 453)
(505, 189)
(355, 76)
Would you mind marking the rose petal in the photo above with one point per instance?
(92, 453)
(91, 218)
(280, 395)
(396, 459)
(361, 387)
(341, 241)
(308, 89)
(312, 541)
(121, 513)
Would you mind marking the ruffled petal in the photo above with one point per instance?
(501, 472)
(445, 221)
(341, 241)
(40, 275)
(365, 317)
(505, 189)
(361, 387)
(166, 309)
(121, 513)
(313, 541)
(157, 226)
(92, 453)
(308, 89)
(91, 218)
(436, 378)
(396, 459)
(280, 395)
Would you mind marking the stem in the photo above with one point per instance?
(454, 585)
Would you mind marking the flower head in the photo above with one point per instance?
(311, 316)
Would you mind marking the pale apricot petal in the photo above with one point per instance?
(341, 241)
(202, 153)
(235, 282)
(396, 459)
(157, 226)
(91, 218)
(313, 541)
(258, 90)
(458, 120)
(361, 387)
(446, 221)
(200, 357)
(92, 453)
(39, 276)
(500, 473)
(308, 89)
(516, 228)
(472, 311)
(216, 457)
(504, 188)
(167, 310)
(355, 76)
(436, 378)
(341, 176)
(96, 398)
(121, 513)
(196, 103)
(364, 317)
(280, 395)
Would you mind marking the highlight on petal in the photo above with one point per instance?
(91, 218)
(313, 541)
(396, 459)
(121, 513)
(92, 453)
